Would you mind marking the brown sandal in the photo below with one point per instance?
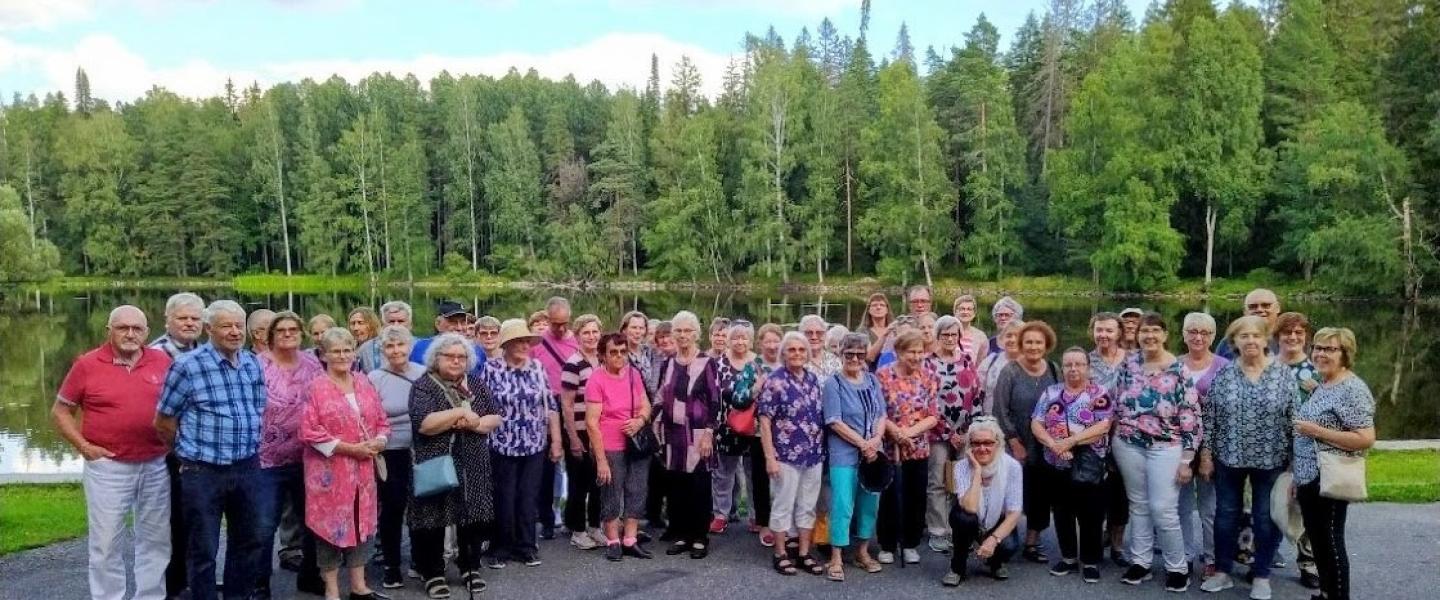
(868, 564)
(835, 572)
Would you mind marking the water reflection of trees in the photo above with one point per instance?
(40, 335)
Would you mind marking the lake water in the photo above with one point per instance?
(41, 333)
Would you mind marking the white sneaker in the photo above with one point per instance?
(598, 536)
(885, 558)
(940, 544)
(1260, 589)
(582, 541)
(911, 555)
(1220, 582)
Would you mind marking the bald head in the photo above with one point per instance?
(1263, 303)
(126, 330)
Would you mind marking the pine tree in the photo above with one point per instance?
(1299, 69)
(620, 182)
(84, 103)
(512, 187)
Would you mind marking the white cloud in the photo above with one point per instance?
(42, 14)
(117, 73)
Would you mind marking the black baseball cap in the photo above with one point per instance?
(449, 308)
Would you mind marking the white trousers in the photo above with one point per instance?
(1154, 503)
(113, 491)
(793, 495)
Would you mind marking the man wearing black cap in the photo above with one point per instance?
(450, 316)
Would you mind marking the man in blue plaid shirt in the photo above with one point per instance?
(210, 410)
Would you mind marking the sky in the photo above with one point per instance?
(192, 47)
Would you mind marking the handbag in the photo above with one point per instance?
(1342, 476)
(643, 444)
(437, 475)
(1086, 466)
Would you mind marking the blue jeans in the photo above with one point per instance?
(1229, 499)
(275, 484)
(234, 492)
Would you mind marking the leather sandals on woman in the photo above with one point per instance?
(437, 589)
(783, 565)
(699, 551)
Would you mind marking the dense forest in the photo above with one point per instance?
(1297, 137)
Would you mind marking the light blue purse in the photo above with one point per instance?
(437, 475)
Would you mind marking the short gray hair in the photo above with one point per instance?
(487, 321)
(395, 333)
(115, 312)
(446, 340)
(945, 323)
(834, 335)
(182, 300)
(742, 328)
(812, 319)
(986, 423)
(556, 302)
(685, 316)
(259, 313)
(854, 341)
(1201, 319)
(222, 306)
(333, 336)
(397, 306)
(794, 337)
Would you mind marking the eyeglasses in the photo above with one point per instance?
(984, 444)
(854, 355)
(952, 334)
(1326, 349)
(454, 355)
(1259, 305)
(129, 328)
(287, 331)
(340, 351)
(1198, 332)
(615, 352)
(815, 334)
(488, 332)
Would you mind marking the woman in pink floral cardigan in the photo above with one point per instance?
(344, 428)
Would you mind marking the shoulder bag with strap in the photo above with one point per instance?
(437, 475)
(643, 444)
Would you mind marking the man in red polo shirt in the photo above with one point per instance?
(117, 387)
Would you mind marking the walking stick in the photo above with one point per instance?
(899, 509)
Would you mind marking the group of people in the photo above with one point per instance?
(913, 426)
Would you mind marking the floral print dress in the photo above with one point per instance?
(1157, 409)
(737, 392)
(909, 400)
(958, 396)
(796, 412)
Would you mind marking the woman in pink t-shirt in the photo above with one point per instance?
(616, 407)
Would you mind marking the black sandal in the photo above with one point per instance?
(436, 588)
(782, 564)
(699, 551)
(473, 583)
(677, 548)
(811, 565)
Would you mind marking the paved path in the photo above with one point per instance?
(1395, 554)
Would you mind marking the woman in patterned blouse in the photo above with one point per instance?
(687, 414)
(737, 373)
(531, 423)
(1338, 418)
(957, 400)
(910, 406)
(792, 437)
(1157, 423)
(1197, 498)
(1073, 417)
(1292, 334)
(582, 495)
(1247, 437)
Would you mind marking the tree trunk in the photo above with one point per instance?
(849, 217)
(470, 182)
(1210, 216)
(365, 205)
(30, 194)
(280, 186)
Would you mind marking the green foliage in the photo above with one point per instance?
(23, 256)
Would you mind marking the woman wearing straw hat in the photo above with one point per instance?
(531, 424)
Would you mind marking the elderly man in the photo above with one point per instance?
(210, 409)
(449, 317)
(370, 354)
(556, 345)
(920, 300)
(259, 327)
(1262, 303)
(182, 324)
(105, 409)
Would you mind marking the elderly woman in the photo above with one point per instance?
(635, 328)
(1247, 426)
(926, 324)
(363, 323)
(616, 407)
(538, 323)
(344, 429)
(876, 325)
(988, 502)
(258, 326)
(1292, 336)
(719, 332)
(854, 408)
(792, 435)
(688, 414)
(1005, 310)
(1337, 419)
(452, 413)
(582, 504)
(957, 401)
(530, 423)
(393, 382)
(288, 372)
(1197, 498)
(1106, 359)
(1157, 432)
(821, 362)
(995, 362)
(770, 335)
(1071, 421)
(972, 339)
(1017, 391)
(911, 413)
(487, 335)
(737, 372)
(833, 335)
(316, 326)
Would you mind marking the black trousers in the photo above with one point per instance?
(1117, 504)
(1077, 507)
(759, 482)
(902, 507)
(394, 498)
(689, 505)
(518, 480)
(175, 578)
(1038, 493)
(966, 533)
(582, 502)
(656, 494)
(1325, 524)
(427, 549)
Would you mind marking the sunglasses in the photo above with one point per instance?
(854, 355)
(984, 444)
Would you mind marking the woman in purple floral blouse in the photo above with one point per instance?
(792, 437)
